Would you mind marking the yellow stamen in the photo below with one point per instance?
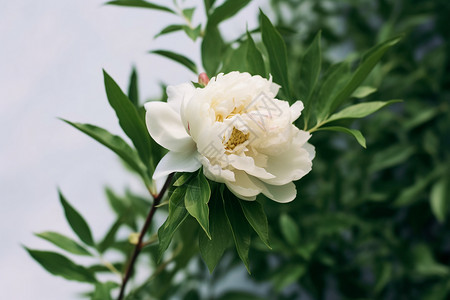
(237, 137)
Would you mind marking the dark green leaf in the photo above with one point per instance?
(103, 290)
(439, 199)
(76, 221)
(310, 70)
(110, 237)
(61, 266)
(368, 63)
(212, 47)
(289, 230)
(177, 215)
(196, 200)
(255, 62)
(213, 249)
(182, 179)
(276, 49)
(239, 295)
(353, 132)
(178, 58)
(64, 242)
(391, 156)
(254, 212)
(133, 90)
(129, 119)
(239, 227)
(235, 60)
(116, 144)
(141, 4)
(288, 275)
(228, 9)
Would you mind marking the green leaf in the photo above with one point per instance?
(359, 110)
(228, 9)
(196, 200)
(255, 215)
(110, 237)
(255, 62)
(439, 199)
(239, 295)
(170, 29)
(235, 60)
(193, 33)
(391, 156)
(363, 91)
(239, 227)
(64, 242)
(182, 179)
(116, 144)
(310, 70)
(177, 215)
(353, 132)
(276, 49)
(133, 90)
(76, 222)
(287, 275)
(103, 290)
(188, 13)
(213, 249)
(289, 230)
(212, 49)
(129, 119)
(178, 58)
(61, 266)
(141, 4)
(368, 63)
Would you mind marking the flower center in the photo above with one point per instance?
(237, 137)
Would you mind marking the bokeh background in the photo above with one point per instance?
(371, 224)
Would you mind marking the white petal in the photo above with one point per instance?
(215, 172)
(243, 187)
(177, 162)
(176, 94)
(165, 127)
(292, 164)
(280, 193)
(296, 110)
(247, 164)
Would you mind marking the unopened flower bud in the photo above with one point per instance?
(203, 79)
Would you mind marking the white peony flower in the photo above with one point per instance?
(236, 129)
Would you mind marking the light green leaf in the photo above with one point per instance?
(64, 242)
(288, 275)
(177, 215)
(359, 110)
(289, 230)
(353, 132)
(228, 9)
(193, 33)
(60, 265)
(212, 249)
(133, 89)
(196, 200)
(182, 178)
(129, 119)
(254, 212)
(276, 49)
(255, 62)
(178, 58)
(170, 29)
(103, 290)
(363, 91)
(239, 227)
(212, 49)
(76, 222)
(140, 4)
(116, 144)
(439, 199)
(188, 13)
(368, 63)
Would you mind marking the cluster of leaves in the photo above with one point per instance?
(341, 235)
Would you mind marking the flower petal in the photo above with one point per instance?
(280, 193)
(244, 188)
(247, 164)
(177, 162)
(165, 127)
(296, 110)
(176, 94)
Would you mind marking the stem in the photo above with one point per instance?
(140, 243)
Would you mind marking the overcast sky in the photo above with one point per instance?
(51, 59)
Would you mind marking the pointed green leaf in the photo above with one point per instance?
(110, 237)
(239, 226)
(255, 62)
(212, 249)
(228, 9)
(76, 222)
(182, 179)
(212, 50)
(133, 90)
(359, 110)
(235, 60)
(64, 242)
(129, 119)
(103, 290)
(276, 49)
(368, 63)
(196, 200)
(363, 91)
(439, 199)
(193, 33)
(188, 13)
(60, 265)
(116, 144)
(254, 212)
(310, 70)
(169, 29)
(177, 215)
(290, 230)
(140, 4)
(353, 132)
(177, 58)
